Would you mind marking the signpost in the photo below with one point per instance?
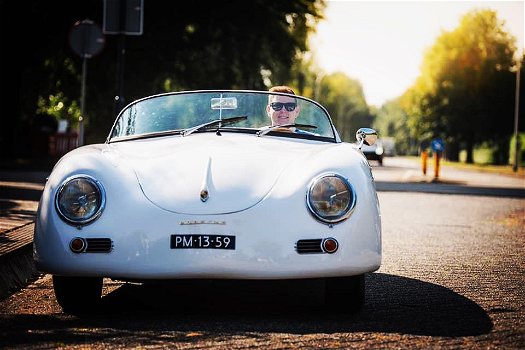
(122, 17)
(438, 146)
(86, 40)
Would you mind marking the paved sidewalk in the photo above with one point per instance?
(20, 192)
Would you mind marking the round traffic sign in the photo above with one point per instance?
(437, 145)
(86, 38)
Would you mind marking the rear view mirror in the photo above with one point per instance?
(224, 103)
(366, 136)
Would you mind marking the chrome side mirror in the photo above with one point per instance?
(366, 136)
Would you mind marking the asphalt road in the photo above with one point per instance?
(452, 277)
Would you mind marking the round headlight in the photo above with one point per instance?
(330, 198)
(80, 199)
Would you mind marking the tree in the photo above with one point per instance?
(392, 121)
(185, 45)
(465, 89)
(344, 99)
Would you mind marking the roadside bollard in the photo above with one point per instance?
(424, 159)
(437, 157)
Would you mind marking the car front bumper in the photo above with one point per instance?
(265, 243)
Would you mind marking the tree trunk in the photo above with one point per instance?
(501, 153)
(470, 152)
(452, 151)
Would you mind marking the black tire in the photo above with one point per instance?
(78, 295)
(345, 294)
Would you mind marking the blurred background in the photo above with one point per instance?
(461, 87)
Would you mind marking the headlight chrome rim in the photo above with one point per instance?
(330, 219)
(101, 194)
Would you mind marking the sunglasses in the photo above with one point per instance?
(277, 106)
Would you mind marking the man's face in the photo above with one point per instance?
(282, 109)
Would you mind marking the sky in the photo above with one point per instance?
(382, 43)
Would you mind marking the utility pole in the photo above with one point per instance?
(516, 118)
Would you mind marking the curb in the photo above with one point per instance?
(443, 188)
(17, 268)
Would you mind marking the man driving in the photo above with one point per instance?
(281, 109)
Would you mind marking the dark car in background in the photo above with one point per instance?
(375, 152)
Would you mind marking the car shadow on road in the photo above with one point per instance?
(394, 304)
(211, 310)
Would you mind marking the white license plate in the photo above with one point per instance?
(202, 242)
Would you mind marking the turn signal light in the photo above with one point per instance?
(77, 245)
(330, 245)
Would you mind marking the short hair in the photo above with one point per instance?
(282, 88)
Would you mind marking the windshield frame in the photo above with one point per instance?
(112, 139)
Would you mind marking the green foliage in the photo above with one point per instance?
(344, 99)
(466, 87)
(482, 155)
(392, 121)
(341, 95)
(59, 107)
(521, 149)
(185, 45)
(305, 76)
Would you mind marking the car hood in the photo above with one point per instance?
(210, 174)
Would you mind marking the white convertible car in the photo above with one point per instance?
(212, 185)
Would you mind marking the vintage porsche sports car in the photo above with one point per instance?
(201, 185)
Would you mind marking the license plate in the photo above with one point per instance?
(202, 242)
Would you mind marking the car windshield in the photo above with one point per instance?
(186, 113)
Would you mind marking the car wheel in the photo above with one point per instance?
(345, 294)
(78, 295)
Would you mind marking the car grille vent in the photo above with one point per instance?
(309, 246)
(98, 245)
